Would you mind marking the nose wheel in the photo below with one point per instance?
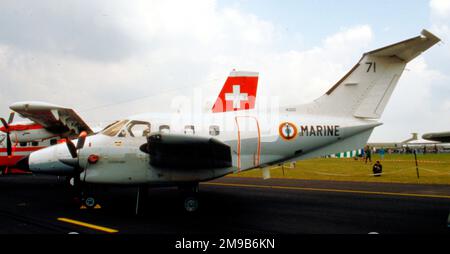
(90, 202)
(82, 194)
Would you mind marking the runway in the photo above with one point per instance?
(42, 205)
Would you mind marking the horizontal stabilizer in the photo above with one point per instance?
(366, 89)
(409, 49)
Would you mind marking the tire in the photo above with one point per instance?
(90, 202)
(191, 204)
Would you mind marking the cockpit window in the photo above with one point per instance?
(139, 128)
(109, 125)
(113, 129)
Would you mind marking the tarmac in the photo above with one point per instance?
(32, 204)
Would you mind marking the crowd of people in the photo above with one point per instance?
(378, 167)
(366, 154)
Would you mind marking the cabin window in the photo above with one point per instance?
(189, 130)
(53, 141)
(35, 143)
(164, 128)
(23, 143)
(214, 130)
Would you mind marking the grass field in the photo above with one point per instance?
(433, 169)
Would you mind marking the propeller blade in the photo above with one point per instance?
(4, 123)
(74, 162)
(81, 139)
(72, 148)
(8, 144)
(11, 118)
(70, 162)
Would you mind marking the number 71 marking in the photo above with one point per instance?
(372, 66)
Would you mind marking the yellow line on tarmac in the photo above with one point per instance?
(330, 190)
(87, 225)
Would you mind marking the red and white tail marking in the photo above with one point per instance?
(238, 92)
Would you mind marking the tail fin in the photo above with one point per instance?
(238, 92)
(366, 89)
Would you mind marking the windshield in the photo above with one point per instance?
(113, 129)
(139, 128)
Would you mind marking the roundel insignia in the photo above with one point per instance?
(288, 131)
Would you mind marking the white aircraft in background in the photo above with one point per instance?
(148, 152)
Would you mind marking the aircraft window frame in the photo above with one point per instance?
(133, 123)
(214, 130)
(189, 127)
(164, 127)
(122, 133)
(113, 129)
(23, 144)
(109, 125)
(34, 143)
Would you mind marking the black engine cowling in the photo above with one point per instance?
(186, 152)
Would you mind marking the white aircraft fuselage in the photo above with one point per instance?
(252, 143)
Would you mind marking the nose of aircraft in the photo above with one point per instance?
(48, 161)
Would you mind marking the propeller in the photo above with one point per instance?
(74, 162)
(73, 149)
(7, 130)
(11, 117)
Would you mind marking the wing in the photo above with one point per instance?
(54, 118)
(440, 137)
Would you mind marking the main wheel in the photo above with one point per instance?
(191, 204)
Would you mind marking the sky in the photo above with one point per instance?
(108, 58)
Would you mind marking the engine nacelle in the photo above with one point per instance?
(48, 161)
(186, 152)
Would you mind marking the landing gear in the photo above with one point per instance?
(89, 201)
(141, 197)
(190, 197)
(82, 194)
(191, 204)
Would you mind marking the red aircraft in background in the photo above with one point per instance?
(42, 128)
(19, 140)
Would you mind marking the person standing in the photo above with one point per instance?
(368, 153)
(382, 153)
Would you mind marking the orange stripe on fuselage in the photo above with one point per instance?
(22, 127)
(23, 149)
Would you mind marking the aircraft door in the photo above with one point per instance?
(248, 142)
